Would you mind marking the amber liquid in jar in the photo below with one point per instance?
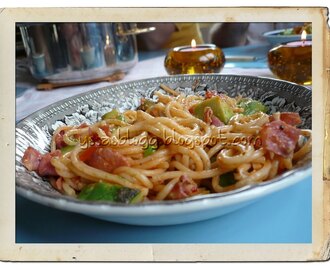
(292, 62)
(187, 60)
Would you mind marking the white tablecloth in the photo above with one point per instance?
(33, 100)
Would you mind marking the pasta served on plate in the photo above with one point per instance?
(173, 148)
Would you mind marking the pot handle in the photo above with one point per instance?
(133, 31)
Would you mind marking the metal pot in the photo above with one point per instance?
(74, 52)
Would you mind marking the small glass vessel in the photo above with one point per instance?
(292, 62)
(205, 58)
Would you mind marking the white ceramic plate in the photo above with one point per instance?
(36, 130)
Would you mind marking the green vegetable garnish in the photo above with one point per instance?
(149, 150)
(108, 192)
(121, 117)
(220, 109)
(227, 179)
(251, 106)
(114, 114)
(67, 149)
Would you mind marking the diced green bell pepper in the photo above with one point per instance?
(108, 192)
(113, 114)
(251, 106)
(220, 108)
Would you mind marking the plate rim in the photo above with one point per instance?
(118, 84)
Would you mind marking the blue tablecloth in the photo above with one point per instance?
(257, 51)
(283, 217)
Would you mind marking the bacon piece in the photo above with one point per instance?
(210, 118)
(83, 125)
(86, 154)
(210, 94)
(31, 158)
(34, 161)
(95, 139)
(59, 184)
(45, 167)
(59, 142)
(216, 121)
(183, 189)
(279, 137)
(213, 93)
(291, 118)
(103, 158)
(106, 129)
(208, 113)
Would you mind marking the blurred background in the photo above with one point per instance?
(66, 55)
(80, 52)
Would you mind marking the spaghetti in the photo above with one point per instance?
(177, 147)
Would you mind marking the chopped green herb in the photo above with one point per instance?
(149, 150)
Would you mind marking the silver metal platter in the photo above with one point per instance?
(36, 130)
